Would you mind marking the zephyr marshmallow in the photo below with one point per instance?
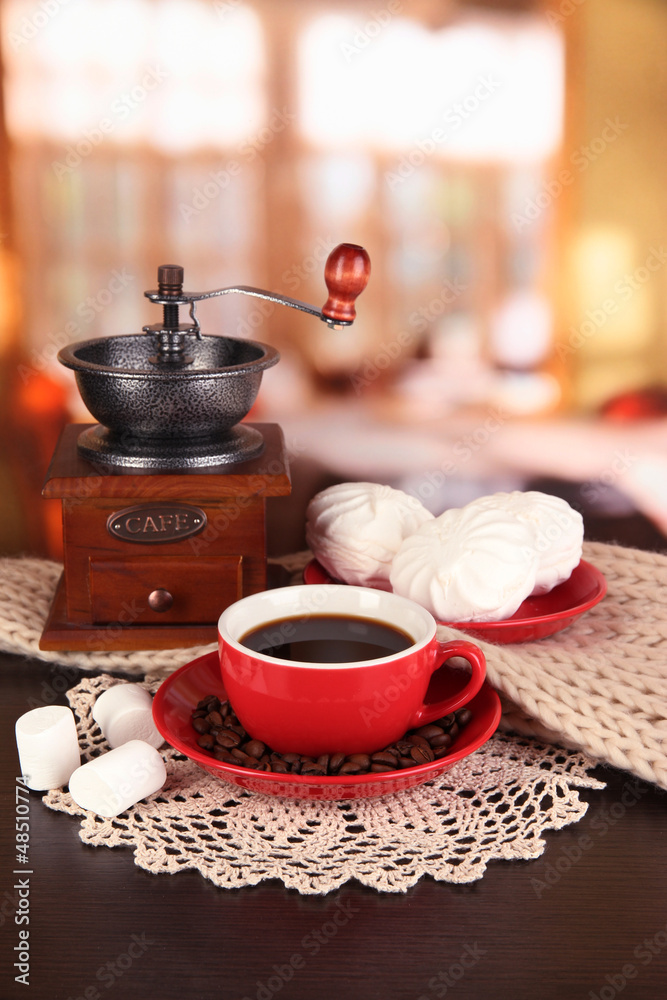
(125, 712)
(48, 746)
(112, 783)
(355, 529)
(558, 528)
(467, 565)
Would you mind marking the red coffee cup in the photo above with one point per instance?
(361, 706)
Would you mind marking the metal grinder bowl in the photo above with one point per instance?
(166, 410)
(173, 398)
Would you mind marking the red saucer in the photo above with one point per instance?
(179, 693)
(536, 618)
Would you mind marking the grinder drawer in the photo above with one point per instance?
(164, 589)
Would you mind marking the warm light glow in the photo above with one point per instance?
(474, 90)
(173, 73)
(614, 293)
(521, 330)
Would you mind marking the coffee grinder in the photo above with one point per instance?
(163, 500)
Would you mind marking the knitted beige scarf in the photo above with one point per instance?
(600, 685)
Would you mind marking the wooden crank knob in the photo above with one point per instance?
(346, 273)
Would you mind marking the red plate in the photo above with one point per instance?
(179, 693)
(536, 618)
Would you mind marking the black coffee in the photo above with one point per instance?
(326, 639)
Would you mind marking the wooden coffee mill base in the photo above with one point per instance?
(152, 559)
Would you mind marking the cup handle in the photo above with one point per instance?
(475, 657)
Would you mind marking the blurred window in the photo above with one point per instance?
(244, 140)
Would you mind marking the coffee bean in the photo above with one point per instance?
(335, 762)
(405, 762)
(227, 739)
(210, 702)
(222, 735)
(429, 732)
(422, 755)
(349, 767)
(417, 741)
(362, 759)
(312, 768)
(441, 742)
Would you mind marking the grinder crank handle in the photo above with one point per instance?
(346, 274)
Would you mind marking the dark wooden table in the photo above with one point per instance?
(588, 919)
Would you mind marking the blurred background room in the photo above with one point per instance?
(502, 163)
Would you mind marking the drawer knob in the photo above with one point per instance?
(160, 600)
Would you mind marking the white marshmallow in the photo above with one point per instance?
(48, 746)
(467, 565)
(112, 783)
(355, 529)
(558, 528)
(125, 712)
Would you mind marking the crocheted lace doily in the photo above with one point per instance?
(494, 804)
